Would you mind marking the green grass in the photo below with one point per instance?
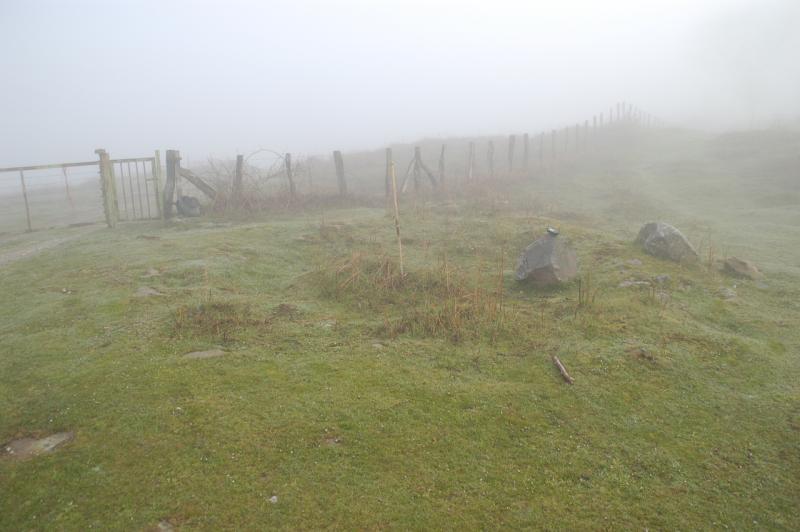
(355, 424)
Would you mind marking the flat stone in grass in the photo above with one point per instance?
(211, 353)
(24, 448)
(146, 291)
(741, 268)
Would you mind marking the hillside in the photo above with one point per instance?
(339, 394)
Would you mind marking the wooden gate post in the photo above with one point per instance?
(173, 170)
(290, 175)
(471, 162)
(156, 170)
(236, 189)
(108, 188)
(339, 162)
(525, 151)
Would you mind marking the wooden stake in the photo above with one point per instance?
(563, 370)
(397, 218)
(108, 188)
(388, 178)
(173, 160)
(238, 176)
(25, 197)
(290, 175)
(337, 159)
(156, 170)
(525, 151)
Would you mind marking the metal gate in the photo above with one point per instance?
(63, 194)
(136, 188)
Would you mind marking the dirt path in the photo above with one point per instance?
(34, 248)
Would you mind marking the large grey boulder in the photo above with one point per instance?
(664, 241)
(549, 260)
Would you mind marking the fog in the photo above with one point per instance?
(216, 78)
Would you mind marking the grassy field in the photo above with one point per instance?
(349, 397)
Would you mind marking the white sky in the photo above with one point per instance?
(214, 78)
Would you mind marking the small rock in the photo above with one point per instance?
(165, 526)
(211, 353)
(188, 206)
(726, 293)
(741, 268)
(630, 282)
(146, 291)
(151, 272)
(664, 241)
(273, 499)
(28, 447)
(377, 345)
(634, 262)
(662, 279)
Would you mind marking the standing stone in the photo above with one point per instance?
(549, 260)
(664, 241)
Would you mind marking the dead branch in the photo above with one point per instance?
(563, 370)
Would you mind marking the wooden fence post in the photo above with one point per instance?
(287, 160)
(541, 148)
(339, 162)
(107, 186)
(156, 170)
(512, 142)
(173, 165)
(388, 179)
(525, 151)
(25, 197)
(238, 176)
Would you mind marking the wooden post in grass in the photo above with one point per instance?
(156, 171)
(108, 188)
(512, 142)
(397, 217)
(287, 161)
(388, 178)
(173, 170)
(585, 135)
(541, 148)
(25, 198)
(525, 151)
(339, 162)
(238, 177)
